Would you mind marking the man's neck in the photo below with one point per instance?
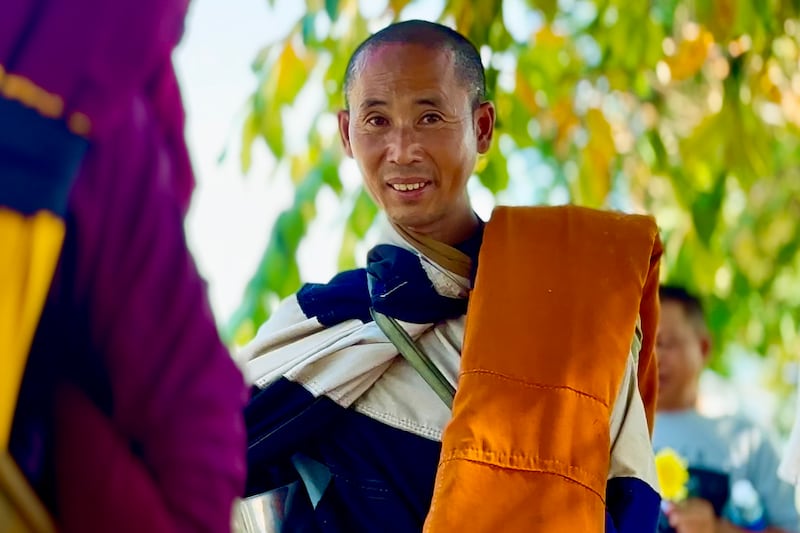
(453, 232)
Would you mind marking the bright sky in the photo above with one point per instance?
(231, 214)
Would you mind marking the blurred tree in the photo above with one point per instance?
(687, 109)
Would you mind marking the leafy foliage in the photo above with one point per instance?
(687, 109)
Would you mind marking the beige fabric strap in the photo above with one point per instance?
(440, 253)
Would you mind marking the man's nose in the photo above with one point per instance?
(403, 146)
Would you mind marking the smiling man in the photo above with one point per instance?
(416, 139)
(549, 430)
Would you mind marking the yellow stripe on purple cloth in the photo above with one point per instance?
(30, 247)
(20, 508)
(47, 104)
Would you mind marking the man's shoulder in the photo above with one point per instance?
(344, 297)
(576, 232)
(601, 222)
(346, 280)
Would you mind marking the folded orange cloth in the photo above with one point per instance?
(557, 297)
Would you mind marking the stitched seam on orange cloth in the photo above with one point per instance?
(541, 470)
(511, 445)
(536, 385)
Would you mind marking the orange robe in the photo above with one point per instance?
(557, 297)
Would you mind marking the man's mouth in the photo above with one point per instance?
(404, 187)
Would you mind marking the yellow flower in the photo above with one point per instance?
(673, 474)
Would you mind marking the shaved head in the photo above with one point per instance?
(466, 59)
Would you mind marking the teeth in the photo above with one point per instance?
(408, 186)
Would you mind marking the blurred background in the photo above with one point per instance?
(686, 109)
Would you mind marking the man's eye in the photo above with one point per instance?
(431, 118)
(377, 121)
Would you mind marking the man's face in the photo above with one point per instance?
(682, 351)
(412, 130)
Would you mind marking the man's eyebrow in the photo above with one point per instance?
(369, 103)
(429, 101)
(432, 101)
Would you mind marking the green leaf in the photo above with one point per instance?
(332, 8)
(397, 6)
(491, 82)
(358, 222)
(706, 208)
(272, 131)
(249, 132)
(597, 156)
(288, 76)
(307, 29)
(330, 173)
(495, 176)
(661, 160)
(347, 259)
(548, 7)
(363, 214)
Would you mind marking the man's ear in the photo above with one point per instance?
(344, 131)
(484, 126)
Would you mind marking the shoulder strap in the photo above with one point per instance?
(415, 357)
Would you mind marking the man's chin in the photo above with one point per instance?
(418, 222)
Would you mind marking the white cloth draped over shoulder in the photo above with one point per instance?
(354, 364)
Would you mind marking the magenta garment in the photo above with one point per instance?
(98, 56)
(129, 417)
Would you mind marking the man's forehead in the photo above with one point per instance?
(392, 67)
(391, 48)
(382, 56)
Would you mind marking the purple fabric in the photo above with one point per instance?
(99, 56)
(176, 392)
(167, 453)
